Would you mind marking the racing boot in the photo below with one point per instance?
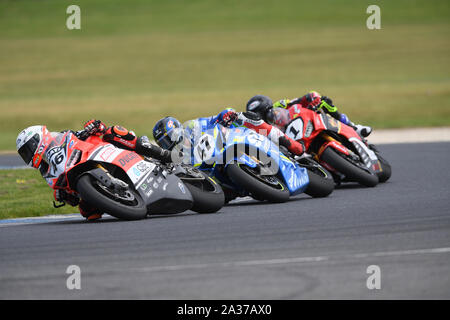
(146, 148)
(90, 213)
(363, 131)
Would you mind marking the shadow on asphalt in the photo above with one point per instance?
(113, 220)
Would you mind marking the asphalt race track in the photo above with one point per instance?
(304, 249)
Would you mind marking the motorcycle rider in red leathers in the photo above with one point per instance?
(313, 100)
(29, 139)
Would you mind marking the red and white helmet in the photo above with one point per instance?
(28, 145)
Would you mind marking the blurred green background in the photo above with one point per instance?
(136, 61)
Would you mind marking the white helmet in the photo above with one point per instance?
(28, 142)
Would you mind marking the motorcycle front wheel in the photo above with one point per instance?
(125, 206)
(386, 170)
(260, 187)
(350, 170)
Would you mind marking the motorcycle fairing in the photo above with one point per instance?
(295, 177)
(154, 186)
(369, 157)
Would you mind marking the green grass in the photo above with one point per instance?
(134, 62)
(23, 193)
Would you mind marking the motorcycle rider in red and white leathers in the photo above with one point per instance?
(29, 140)
(253, 121)
(313, 100)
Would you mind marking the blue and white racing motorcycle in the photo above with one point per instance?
(246, 163)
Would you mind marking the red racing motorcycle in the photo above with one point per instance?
(336, 146)
(123, 183)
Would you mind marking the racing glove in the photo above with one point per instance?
(227, 117)
(92, 127)
(95, 127)
(327, 103)
(284, 103)
(295, 147)
(311, 100)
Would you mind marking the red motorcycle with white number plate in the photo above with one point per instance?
(122, 183)
(336, 146)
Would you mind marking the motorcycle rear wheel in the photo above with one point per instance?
(208, 196)
(95, 195)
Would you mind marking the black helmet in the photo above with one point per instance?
(168, 132)
(262, 105)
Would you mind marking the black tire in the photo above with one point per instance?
(208, 196)
(230, 194)
(256, 187)
(386, 172)
(321, 184)
(93, 196)
(351, 171)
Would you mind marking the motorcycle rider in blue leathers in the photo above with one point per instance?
(168, 132)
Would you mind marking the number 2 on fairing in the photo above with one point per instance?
(204, 148)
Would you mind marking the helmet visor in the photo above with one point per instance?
(269, 116)
(29, 148)
(171, 138)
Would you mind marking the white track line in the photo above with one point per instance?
(41, 219)
(293, 260)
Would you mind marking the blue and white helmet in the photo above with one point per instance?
(168, 132)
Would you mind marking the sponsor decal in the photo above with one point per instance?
(42, 147)
(127, 143)
(73, 158)
(309, 129)
(376, 167)
(253, 122)
(181, 186)
(107, 152)
(341, 148)
(254, 105)
(142, 166)
(37, 159)
(136, 171)
(127, 158)
(367, 155)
